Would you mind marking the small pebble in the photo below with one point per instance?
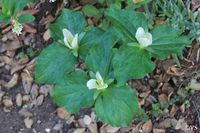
(87, 120)
(40, 100)
(19, 100)
(47, 130)
(8, 103)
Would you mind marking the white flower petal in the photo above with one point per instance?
(67, 34)
(67, 43)
(74, 43)
(91, 84)
(98, 76)
(144, 38)
(139, 33)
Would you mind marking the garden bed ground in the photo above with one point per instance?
(26, 107)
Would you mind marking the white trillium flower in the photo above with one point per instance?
(97, 83)
(17, 27)
(144, 38)
(70, 41)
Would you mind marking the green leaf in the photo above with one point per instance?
(53, 63)
(88, 41)
(127, 22)
(26, 18)
(72, 93)
(91, 11)
(10, 8)
(73, 21)
(100, 55)
(19, 5)
(3, 19)
(131, 62)
(167, 41)
(117, 106)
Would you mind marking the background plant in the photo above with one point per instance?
(179, 15)
(10, 13)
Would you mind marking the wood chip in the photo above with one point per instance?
(93, 128)
(62, 113)
(2, 93)
(80, 130)
(34, 91)
(156, 130)
(28, 122)
(27, 82)
(8, 103)
(147, 127)
(109, 129)
(19, 100)
(46, 35)
(12, 82)
(40, 100)
(45, 90)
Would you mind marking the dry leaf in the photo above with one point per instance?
(62, 113)
(47, 20)
(166, 123)
(93, 128)
(156, 130)
(175, 71)
(181, 124)
(182, 108)
(13, 81)
(159, 21)
(163, 99)
(29, 29)
(40, 100)
(2, 93)
(10, 45)
(173, 110)
(46, 35)
(147, 127)
(6, 60)
(108, 129)
(27, 82)
(80, 130)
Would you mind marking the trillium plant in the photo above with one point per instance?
(125, 51)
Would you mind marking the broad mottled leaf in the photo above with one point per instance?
(167, 41)
(100, 55)
(127, 22)
(131, 62)
(88, 40)
(117, 106)
(73, 21)
(54, 62)
(72, 93)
